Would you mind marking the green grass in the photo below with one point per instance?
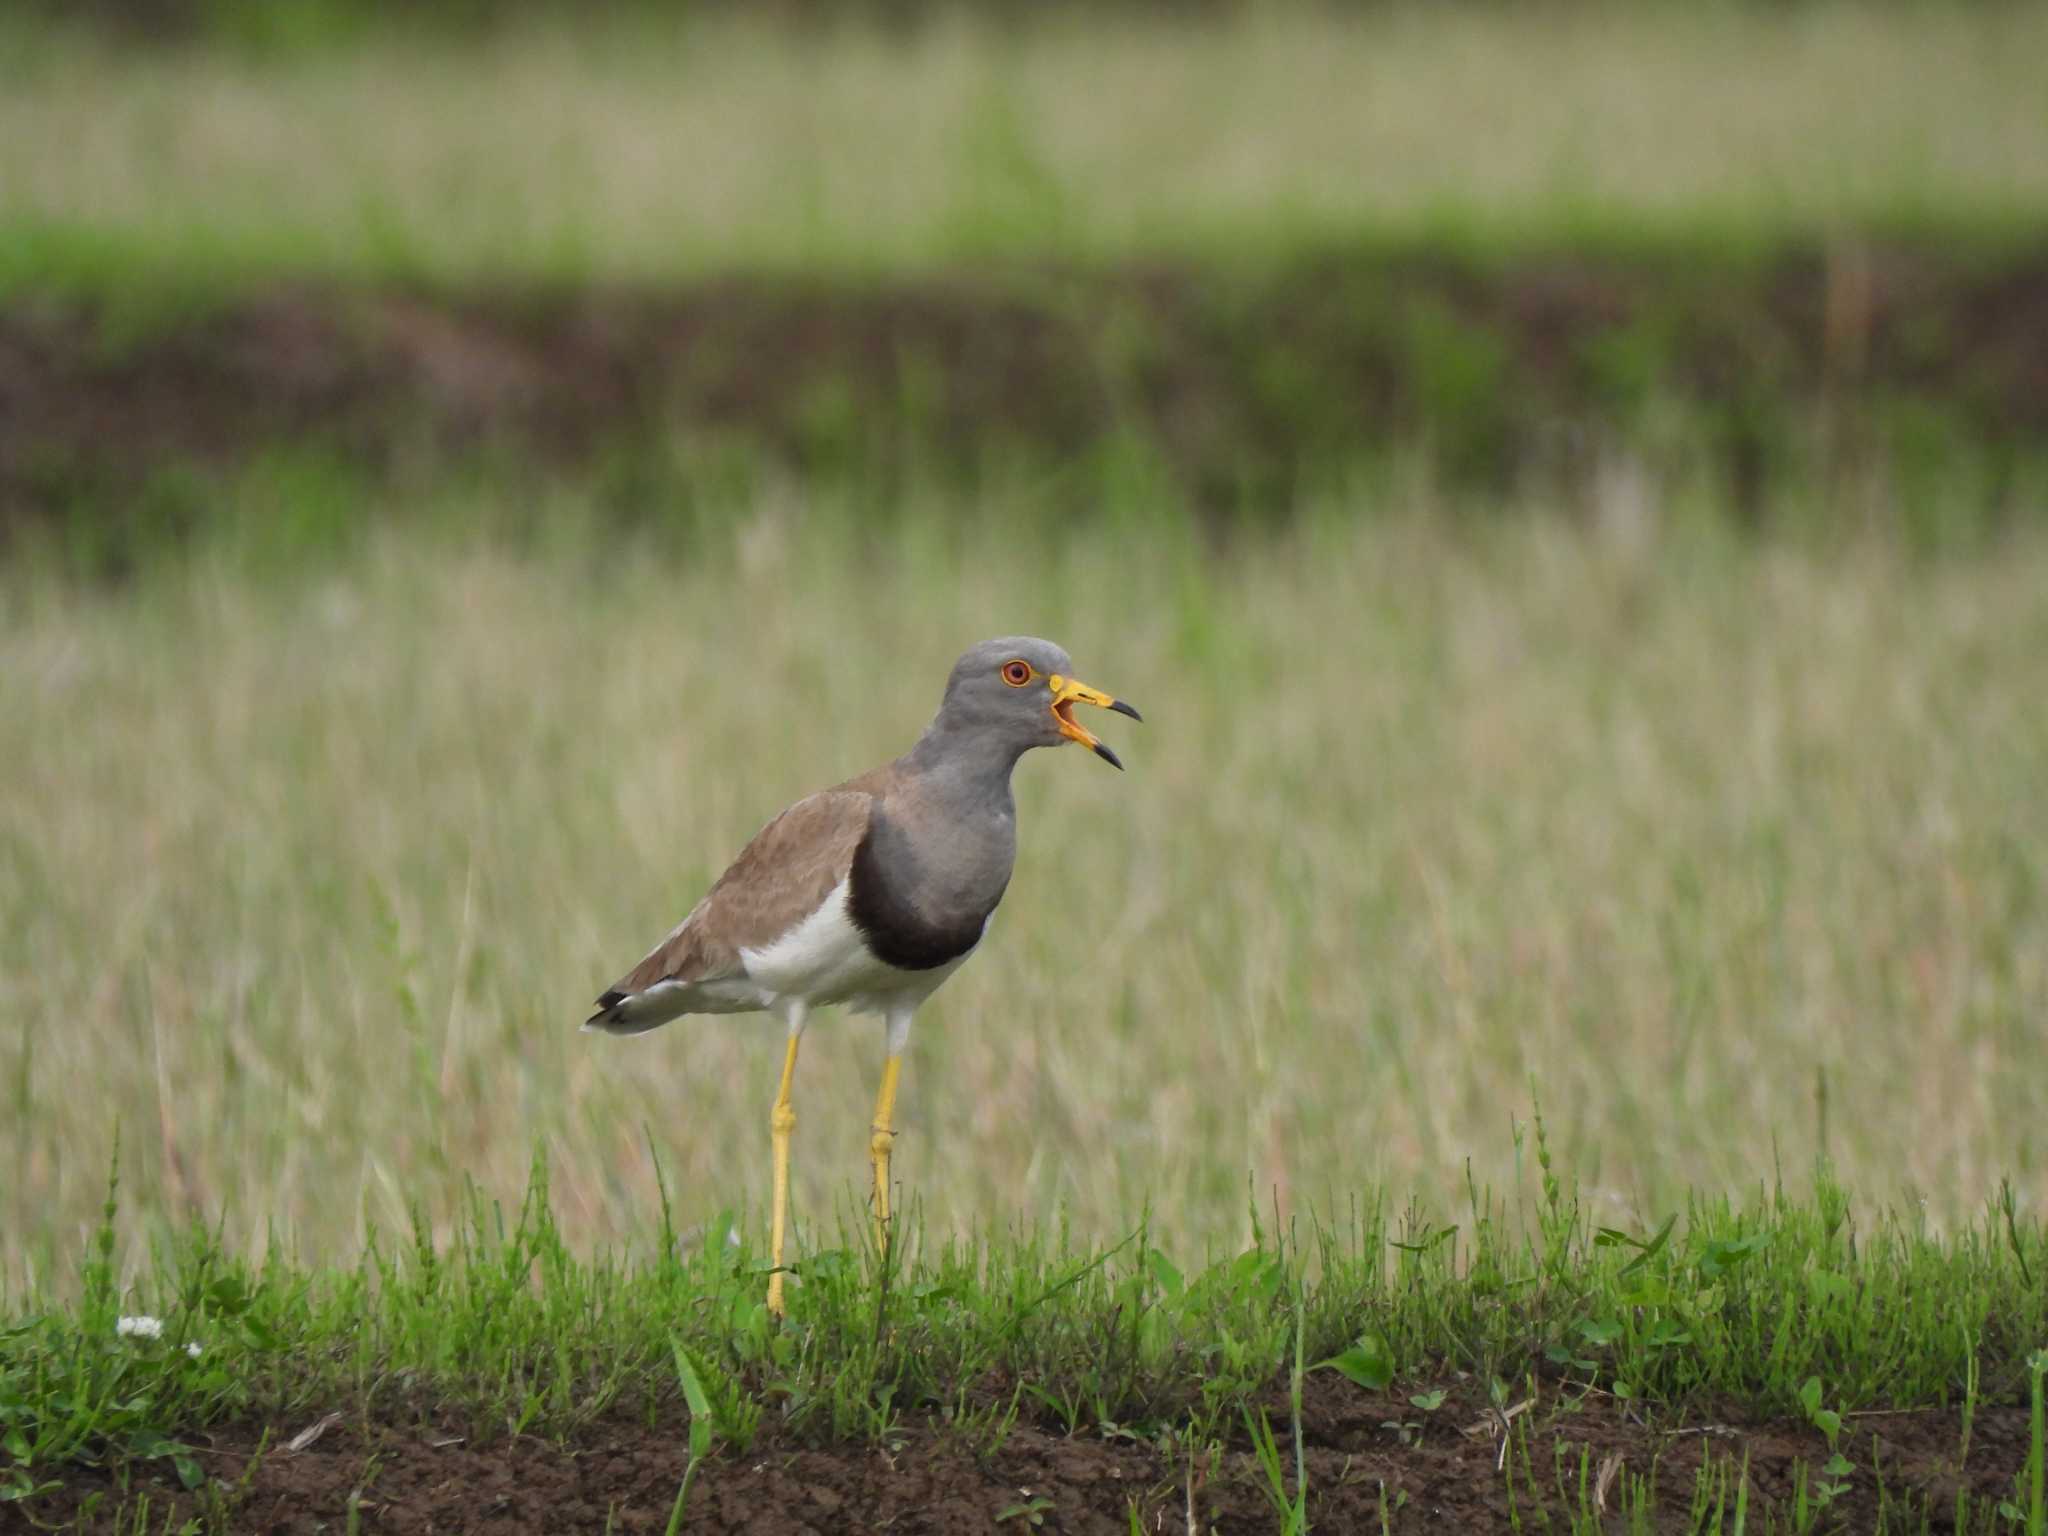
(1789, 1304)
(638, 154)
(1726, 850)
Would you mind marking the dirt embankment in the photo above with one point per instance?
(1429, 1472)
(1239, 383)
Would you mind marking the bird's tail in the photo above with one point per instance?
(633, 1013)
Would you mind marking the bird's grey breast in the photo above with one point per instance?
(925, 879)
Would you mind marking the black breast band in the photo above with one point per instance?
(895, 930)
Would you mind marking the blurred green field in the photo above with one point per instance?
(634, 153)
(1725, 851)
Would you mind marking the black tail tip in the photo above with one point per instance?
(605, 1005)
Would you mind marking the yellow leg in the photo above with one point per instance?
(880, 1143)
(781, 1121)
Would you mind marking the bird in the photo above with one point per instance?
(869, 894)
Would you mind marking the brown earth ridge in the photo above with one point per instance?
(1364, 1453)
(1241, 384)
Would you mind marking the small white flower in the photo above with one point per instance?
(140, 1328)
(192, 1349)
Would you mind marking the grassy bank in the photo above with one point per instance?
(168, 1391)
(641, 154)
(1870, 386)
(1726, 851)
(138, 1390)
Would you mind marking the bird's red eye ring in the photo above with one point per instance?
(1016, 673)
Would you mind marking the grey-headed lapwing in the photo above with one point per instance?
(870, 894)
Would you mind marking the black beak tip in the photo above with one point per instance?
(1118, 706)
(1108, 756)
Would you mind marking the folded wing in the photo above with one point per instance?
(780, 878)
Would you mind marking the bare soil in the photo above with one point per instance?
(1239, 381)
(1441, 1474)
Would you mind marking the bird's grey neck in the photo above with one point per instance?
(964, 764)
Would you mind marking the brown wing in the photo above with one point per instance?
(779, 879)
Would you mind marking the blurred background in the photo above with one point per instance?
(1566, 480)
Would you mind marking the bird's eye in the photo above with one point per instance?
(1016, 673)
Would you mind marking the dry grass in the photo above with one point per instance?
(306, 884)
(641, 155)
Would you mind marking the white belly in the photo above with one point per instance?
(823, 961)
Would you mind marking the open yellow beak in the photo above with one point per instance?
(1066, 693)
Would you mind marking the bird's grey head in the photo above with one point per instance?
(1021, 691)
